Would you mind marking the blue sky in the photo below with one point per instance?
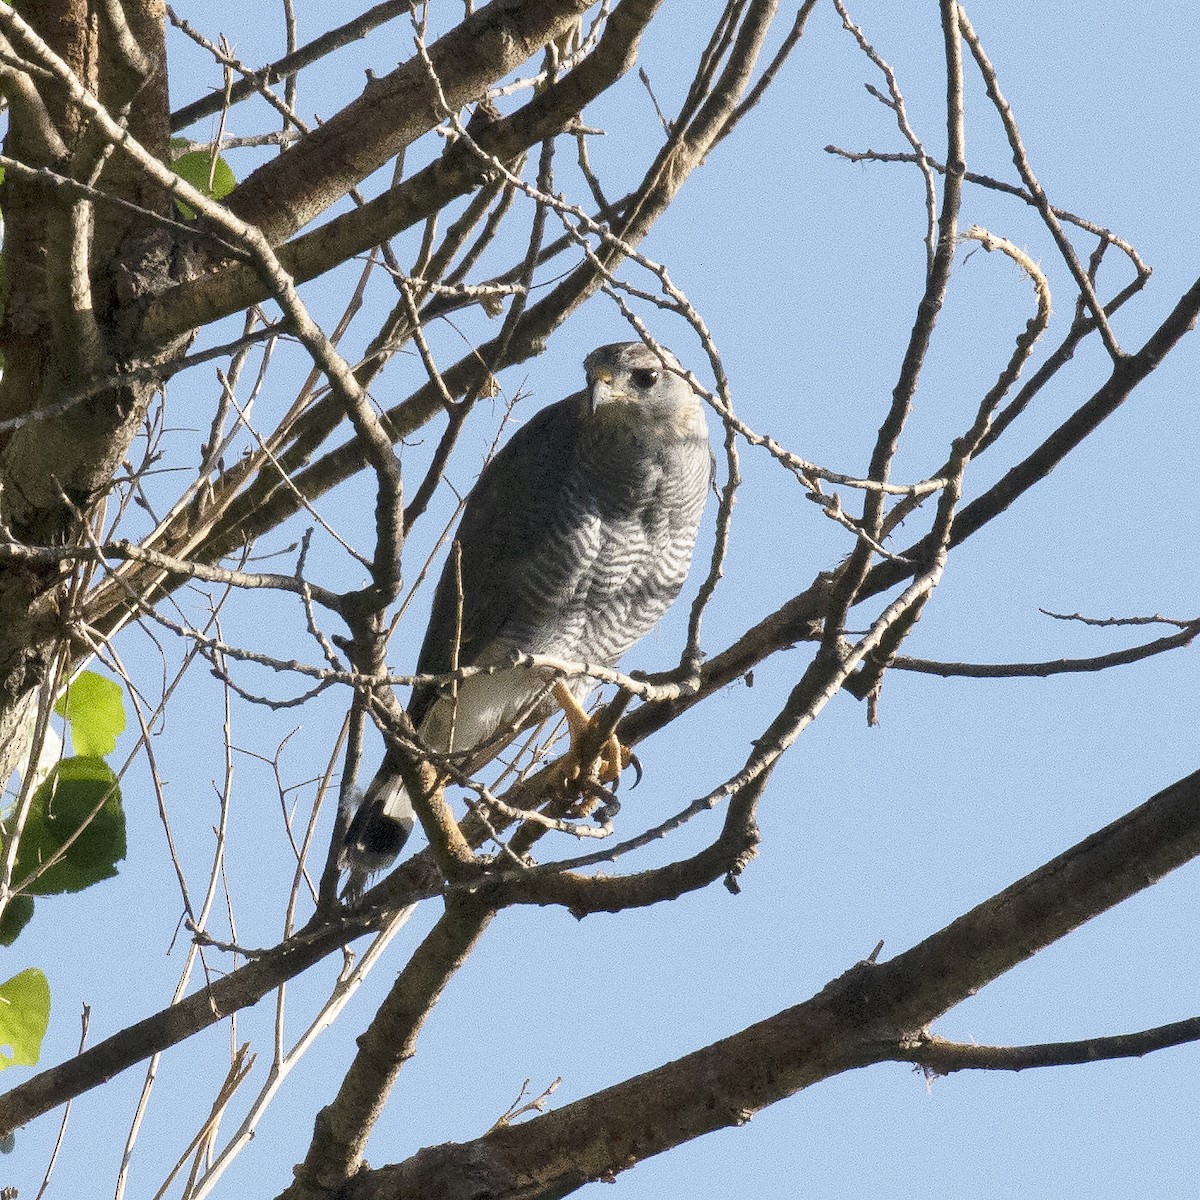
(807, 269)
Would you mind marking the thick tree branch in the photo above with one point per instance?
(289, 64)
(344, 1125)
(455, 173)
(873, 1013)
(237, 990)
(582, 894)
(56, 461)
(86, 441)
(1116, 862)
(287, 192)
(449, 847)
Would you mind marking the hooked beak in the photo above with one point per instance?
(598, 389)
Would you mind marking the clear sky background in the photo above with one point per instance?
(807, 269)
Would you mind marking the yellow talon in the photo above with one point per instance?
(612, 757)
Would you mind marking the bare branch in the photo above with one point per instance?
(289, 64)
(345, 1124)
(343, 992)
(895, 101)
(1126, 375)
(938, 1056)
(1010, 189)
(286, 193)
(124, 550)
(872, 1013)
(764, 81)
(229, 289)
(1058, 666)
(1034, 188)
(854, 572)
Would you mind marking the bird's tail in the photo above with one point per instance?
(378, 830)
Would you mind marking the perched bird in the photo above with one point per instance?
(573, 542)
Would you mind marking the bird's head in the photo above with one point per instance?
(629, 377)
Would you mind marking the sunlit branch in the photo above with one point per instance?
(938, 1056)
(345, 1124)
(870, 1014)
(1057, 666)
(289, 64)
(1034, 188)
(852, 575)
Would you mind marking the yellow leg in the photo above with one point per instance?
(613, 758)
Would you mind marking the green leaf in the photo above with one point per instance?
(93, 706)
(61, 807)
(195, 166)
(24, 1016)
(15, 917)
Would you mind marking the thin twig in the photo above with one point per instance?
(1034, 188)
(939, 1056)
(895, 102)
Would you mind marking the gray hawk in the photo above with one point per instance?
(573, 542)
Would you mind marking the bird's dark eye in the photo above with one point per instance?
(644, 379)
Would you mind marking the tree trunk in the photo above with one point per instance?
(75, 269)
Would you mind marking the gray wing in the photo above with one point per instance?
(515, 557)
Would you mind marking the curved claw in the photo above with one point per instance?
(636, 764)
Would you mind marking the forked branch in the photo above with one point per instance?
(871, 1014)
